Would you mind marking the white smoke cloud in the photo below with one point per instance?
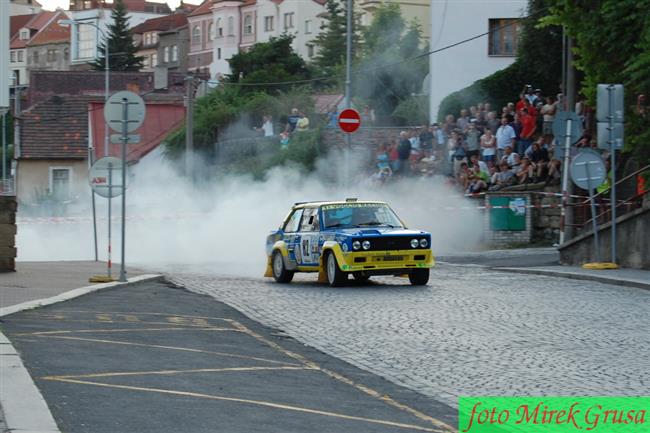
(221, 227)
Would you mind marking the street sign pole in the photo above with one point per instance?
(590, 188)
(348, 89)
(565, 181)
(110, 194)
(612, 190)
(125, 139)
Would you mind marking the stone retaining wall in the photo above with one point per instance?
(8, 207)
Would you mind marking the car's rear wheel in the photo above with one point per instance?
(280, 272)
(359, 276)
(419, 277)
(335, 276)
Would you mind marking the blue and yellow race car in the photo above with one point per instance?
(339, 238)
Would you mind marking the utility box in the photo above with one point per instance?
(508, 219)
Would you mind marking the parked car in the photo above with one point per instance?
(342, 238)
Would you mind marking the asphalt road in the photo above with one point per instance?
(154, 358)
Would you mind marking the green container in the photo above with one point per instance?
(511, 218)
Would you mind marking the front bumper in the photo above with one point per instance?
(385, 260)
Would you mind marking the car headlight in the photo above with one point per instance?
(344, 247)
(366, 245)
(424, 243)
(356, 245)
(414, 243)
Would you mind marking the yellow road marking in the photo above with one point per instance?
(171, 372)
(253, 402)
(369, 391)
(104, 317)
(156, 346)
(74, 331)
(138, 314)
(129, 317)
(116, 321)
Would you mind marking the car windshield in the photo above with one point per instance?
(359, 215)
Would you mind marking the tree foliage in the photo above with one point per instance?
(389, 40)
(268, 62)
(121, 46)
(332, 39)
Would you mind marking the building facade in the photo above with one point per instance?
(174, 45)
(50, 48)
(147, 36)
(201, 35)
(25, 32)
(458, 67)
(24, 7)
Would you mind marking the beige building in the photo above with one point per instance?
(418, 10)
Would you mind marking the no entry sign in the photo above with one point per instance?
(349, 120)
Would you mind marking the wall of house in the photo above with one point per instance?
(8, 208)
(200, 52)
(59, 62)
(181, 40)
(458, 67)
(34, 179)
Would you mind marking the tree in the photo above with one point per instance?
(121, 46)
(389, 40)
(332, 40)
(274, 61)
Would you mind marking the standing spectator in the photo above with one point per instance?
(303, 122)
(511, 158)
(458, 152)
(472, 139)
(449, 125)
(440, 137)
(641, 107)
(537, 98)
(426, 140)
(403, 152)
(505, 137)
(267, 126)
(528, 128)
(473, 114)
(492, 122)
(292, 120)
(548, 113)
(462, 121)
(332, 117)
(488, 145)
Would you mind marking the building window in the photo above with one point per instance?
(24, 34)
(196, 34)
(12, 56)
(504, 37)
(288, 20)
(210, 31)
(147, 39)
(307, 27)
(231, 26)
(66, 53)
(166, 55)
(60, 182)
(86, 38)
(154, 60)
(268, 24)
(35, 57)
(310, 51)
(218, 53)
(248, 25)
(174, 53)
(51, 55)
(154, 38)
(145, 62)
(21, 55)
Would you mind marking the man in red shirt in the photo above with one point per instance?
(528, 127)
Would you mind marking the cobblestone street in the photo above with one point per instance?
(471, 331)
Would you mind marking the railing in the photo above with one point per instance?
(7, 187)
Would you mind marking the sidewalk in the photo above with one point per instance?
(25, 288)
(621, 277)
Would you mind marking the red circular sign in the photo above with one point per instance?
(349, 120)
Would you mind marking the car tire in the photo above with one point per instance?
(335, 276)
(419, 277)
(358, 276)
(280, 273)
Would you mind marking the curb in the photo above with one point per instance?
(25, 409)
(577, 276)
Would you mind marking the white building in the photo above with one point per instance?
(4, 57)
(23, 7)
(238, 24)
(85, 39)
(453, 21)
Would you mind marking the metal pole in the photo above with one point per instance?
(593, 212)
(92, 197)
(110, 194)
(106, 91)
(564, 92)
(348, 88)
(565, 181)
(189, 129)
(612, 190)
(125, 137)
(4, 148)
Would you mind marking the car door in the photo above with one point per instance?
(309, 234)
(292, 235)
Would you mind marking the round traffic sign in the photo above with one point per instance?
(113, 111)
(588, 170)
(560, 126)
(349, 120)
(104, 170)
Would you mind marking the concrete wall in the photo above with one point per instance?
(34, 178)
(8, 209)
(632, 242)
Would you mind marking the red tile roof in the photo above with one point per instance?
(56, 129)
(52, 33)
(17, 22)
(168, 22)
(35, 24)
(203, 9)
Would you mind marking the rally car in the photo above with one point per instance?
(339, 238)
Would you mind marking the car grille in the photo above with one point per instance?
(388, 243)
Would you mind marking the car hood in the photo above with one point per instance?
(379, 231)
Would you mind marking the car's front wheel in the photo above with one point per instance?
(335, 276)
(419, 277)
(280, 272)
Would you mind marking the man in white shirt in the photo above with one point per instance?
(506, 136)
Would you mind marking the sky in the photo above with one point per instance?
(53, 4)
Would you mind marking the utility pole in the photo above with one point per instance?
(348, 87)
(189, 128)
(570, 104)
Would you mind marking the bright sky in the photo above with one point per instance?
(53, 4)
